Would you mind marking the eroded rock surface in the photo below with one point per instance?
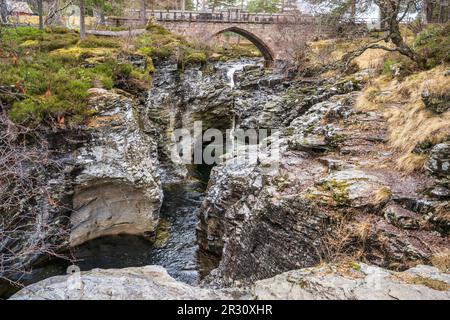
(362, 282)
(145, 283)
(337, 192)
(353, 282)
(117, 189)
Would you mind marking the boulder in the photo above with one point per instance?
(144, 283)
(355, 282)
(439, 161)
(401, 217)
(326, 282)
(438, 103)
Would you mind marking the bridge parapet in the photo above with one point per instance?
(231, 16)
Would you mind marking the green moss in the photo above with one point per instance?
(162, 233)
(195, 57)
(339, 191)
(53, 83)
(356, 266)
(100, 42)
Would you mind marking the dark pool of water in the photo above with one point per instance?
(176, 248)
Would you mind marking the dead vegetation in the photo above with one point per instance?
(441, 260)
(410, 122)
(27, 230)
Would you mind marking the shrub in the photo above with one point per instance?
(434, 44)
(195, 58)
(157, 29)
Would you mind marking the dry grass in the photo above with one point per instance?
(382, 196)
(371, 59)
(411, 162)
(418, 280)
(441, 260)
(409, 121)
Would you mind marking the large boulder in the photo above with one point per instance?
(117, 189)
(144, 283)
(326, 282)
(356, 282)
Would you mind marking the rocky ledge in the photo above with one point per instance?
(355, 281)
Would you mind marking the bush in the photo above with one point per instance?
(195, 57)
(434, 44)
(397, 65)
(157, 29)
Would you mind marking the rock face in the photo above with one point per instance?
(358, 281)
(362, 282)
(145, 283)
(117, 187)
(336, 191)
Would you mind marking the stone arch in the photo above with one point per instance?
(258, 42)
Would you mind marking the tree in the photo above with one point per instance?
(82, 19)
(221, 4)
(392, 13)
(269, 6)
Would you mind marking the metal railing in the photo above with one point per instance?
(229, 17)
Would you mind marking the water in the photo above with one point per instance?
(234, 66)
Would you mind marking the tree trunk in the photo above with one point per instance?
(82, 20)
(3, 11)
(430, 9)
(143, 13)
(353, 10)
(40, 9)
(102, 17)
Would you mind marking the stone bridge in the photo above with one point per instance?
(277, 36)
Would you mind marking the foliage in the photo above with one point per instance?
(434, 44)
(268, 6)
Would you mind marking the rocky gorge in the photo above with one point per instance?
(337, 220)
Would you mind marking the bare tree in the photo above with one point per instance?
(28, 226)
(55, 10)
(393, 13)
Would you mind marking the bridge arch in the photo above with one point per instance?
(266, 51)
